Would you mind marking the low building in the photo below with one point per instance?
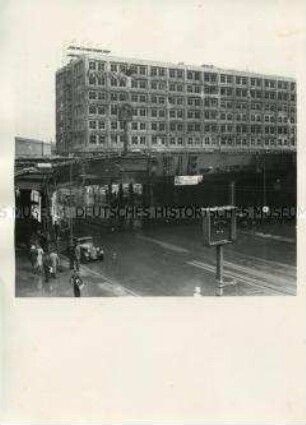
(32, 148)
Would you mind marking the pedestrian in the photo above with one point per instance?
(77, 256)
(55, 262)
(47, 266)
(56, 230)
(114, 258)
(77, 283)
(33, 257)
(39, 264)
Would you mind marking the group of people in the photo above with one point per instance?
(44, 261)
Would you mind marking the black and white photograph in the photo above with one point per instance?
(152, 212)
(140, 175)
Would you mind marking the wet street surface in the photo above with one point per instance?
(171, 261)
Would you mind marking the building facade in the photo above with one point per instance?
(174, 107)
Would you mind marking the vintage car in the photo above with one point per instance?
(89, 251)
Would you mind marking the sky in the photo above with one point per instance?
(265, 36)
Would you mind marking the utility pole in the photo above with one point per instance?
(264, 183)
(219, 270)
(71, 247)
(232, 193)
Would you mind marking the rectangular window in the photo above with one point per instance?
(101, 125)
(142, 70)
(114, 110)
(92, 139)
(92, 80)
(92, 65)
(101, 139)
(92, 125)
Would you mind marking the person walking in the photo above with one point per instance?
(55, 262)
(39, 264)
(77, 283)
(47, 266)
(77, 256)
(33, 257)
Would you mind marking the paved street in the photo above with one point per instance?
(171, 261)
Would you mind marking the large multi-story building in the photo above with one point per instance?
(174, 107)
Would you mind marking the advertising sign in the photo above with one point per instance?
(187, 180)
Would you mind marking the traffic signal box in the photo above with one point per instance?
(218, 225)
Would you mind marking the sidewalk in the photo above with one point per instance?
(34, 285)
(281, 232)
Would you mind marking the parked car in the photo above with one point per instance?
(89, 251)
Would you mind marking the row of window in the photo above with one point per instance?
(143, 98)
(190, 101)
(210, 77)
(189, 127)
(101, 139)
(191, 114)
(175, 87)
